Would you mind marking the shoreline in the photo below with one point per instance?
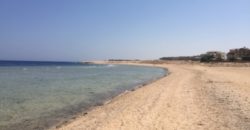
(64, 116)
(111, 98)
(91, 108)
(61, 125)
(192, 97)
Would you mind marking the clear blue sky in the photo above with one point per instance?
(73, 30)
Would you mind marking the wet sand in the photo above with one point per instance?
(192, 97)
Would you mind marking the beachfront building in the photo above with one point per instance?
(241, 54)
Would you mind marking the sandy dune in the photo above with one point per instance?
(192, 97)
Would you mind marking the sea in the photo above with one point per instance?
(38, 94)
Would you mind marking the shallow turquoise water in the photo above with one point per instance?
(35, 97)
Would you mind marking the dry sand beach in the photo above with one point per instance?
(191, 97)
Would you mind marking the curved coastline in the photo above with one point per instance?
(63, 116)
(187, 99)
(85, 111)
